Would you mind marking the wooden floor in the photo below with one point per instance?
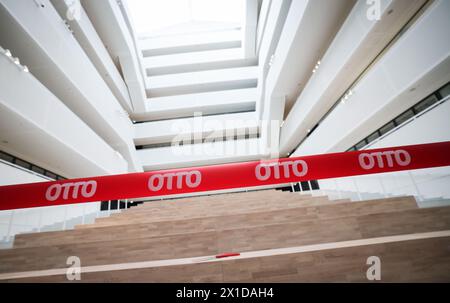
(245, 223)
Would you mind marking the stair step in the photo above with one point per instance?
(236, 240)
(247, 220)
(422, 260)
(178, 212)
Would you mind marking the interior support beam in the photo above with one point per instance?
(249, 29)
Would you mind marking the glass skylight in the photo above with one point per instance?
(168, 17)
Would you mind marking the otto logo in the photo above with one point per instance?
(191, 179)
(265, 171)
(84, 188)
(382, 159)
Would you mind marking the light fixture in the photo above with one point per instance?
(271, 59)
(16, 61)
(346, 96)
(25, 69)
(316, 67)
(8, 53)
(309, 130)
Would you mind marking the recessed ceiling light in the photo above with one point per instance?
(8, 53)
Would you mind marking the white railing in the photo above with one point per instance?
(429, 186)
(51, 218)
(416, 116)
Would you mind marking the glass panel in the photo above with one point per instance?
(361, 144)
(422, 105)
(314, 184)
(37, 170)
(51, 175)
(387, 128)
(373, 137)
(104, 205)
(445, 91)
(6, 157)
(22, 163)
(405, 116)
(304, 185)
(114, 204)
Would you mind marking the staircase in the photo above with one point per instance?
(281, 236)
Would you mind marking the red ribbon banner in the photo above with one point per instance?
(225, 176)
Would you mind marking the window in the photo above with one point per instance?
(314, 184)
(361, 144)
(304, 185)
(10, 158)
(113, 204)
(411, 112)
(445, 91)
(50, 175)
(104, 205)
(22, 163)
(6, 157)
(373, 137)
(385, 129)
(37, 169)
(405, 116)
(425, 103)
